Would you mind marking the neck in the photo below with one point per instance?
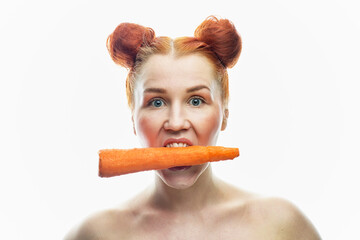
(204, 192)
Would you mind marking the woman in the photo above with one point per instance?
(177, 91)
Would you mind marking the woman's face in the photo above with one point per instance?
(177, 103)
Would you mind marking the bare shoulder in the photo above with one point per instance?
(102, 225)
(117, 223)
(281, 218)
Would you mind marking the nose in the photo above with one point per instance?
(177, 119)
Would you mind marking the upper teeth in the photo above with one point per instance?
(176, 145)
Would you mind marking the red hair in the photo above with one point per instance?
(131, 45)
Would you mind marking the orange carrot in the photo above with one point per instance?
(113, 162)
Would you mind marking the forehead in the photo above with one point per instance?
(169, 70)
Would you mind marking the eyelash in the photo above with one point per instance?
(151, 102)
(197, 97)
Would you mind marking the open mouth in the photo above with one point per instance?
(173, 143)
(179, 168)
(177, 142)
(176, 145)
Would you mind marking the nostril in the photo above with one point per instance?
(177, 118)
(176, 126)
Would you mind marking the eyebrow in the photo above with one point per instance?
(155, 90)
(188, 90)
(197, 88)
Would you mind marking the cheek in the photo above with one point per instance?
(146, 129)
(208, 127)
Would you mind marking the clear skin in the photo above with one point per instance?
(179, 98)
(175, 104)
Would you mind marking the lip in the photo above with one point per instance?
(179, 168)
(177, 140)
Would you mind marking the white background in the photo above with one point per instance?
(294, 111)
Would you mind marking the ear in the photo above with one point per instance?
(132, 119)
(225, 118)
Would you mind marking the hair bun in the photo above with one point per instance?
(124, 43)
(222, 37)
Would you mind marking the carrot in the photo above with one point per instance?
(113, 162)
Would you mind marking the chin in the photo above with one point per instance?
(182, 179)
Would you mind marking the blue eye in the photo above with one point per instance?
(196, 101)
(157, 103)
